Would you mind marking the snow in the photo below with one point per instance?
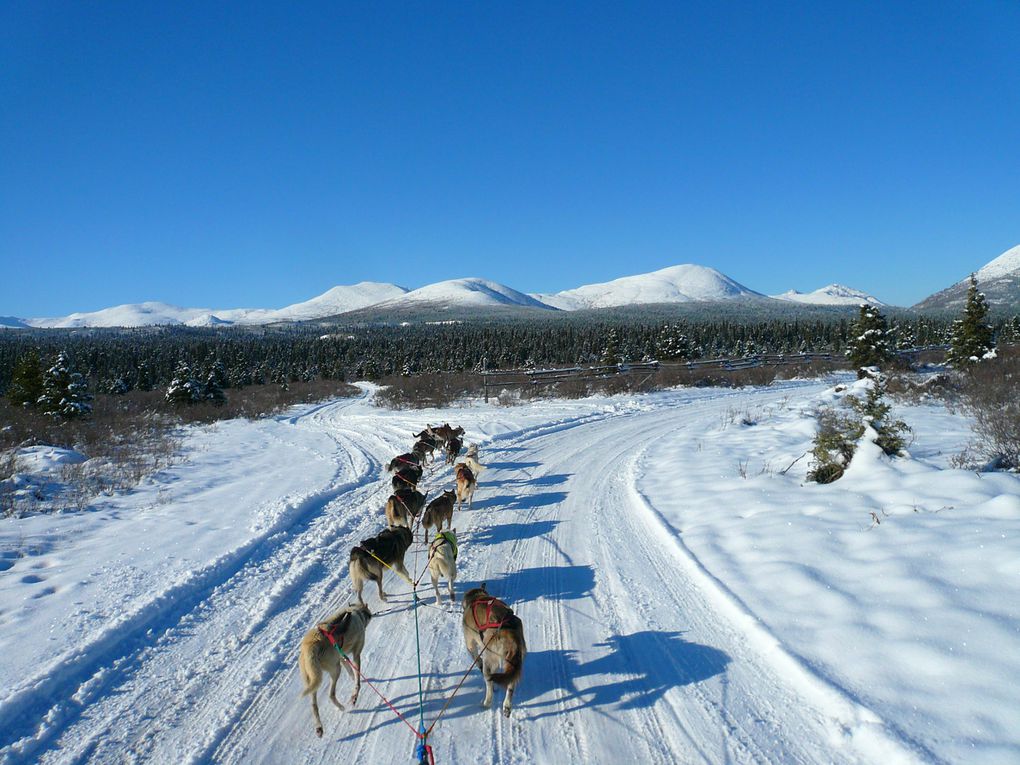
(676, 284)
(471, 291)
(1007, 263)
(675, 610)
(833, 294)
(336, 300)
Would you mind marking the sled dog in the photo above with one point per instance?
(443, 561)
(346, 629)
(494, 636)
(370, 559)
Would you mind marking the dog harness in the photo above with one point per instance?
(331, 635)
(450, 539)
(487, 604)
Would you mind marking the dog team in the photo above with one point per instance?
(493, 634)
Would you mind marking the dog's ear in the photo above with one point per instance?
(484, 587)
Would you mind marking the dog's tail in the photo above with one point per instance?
(311, 672)
(506, 645)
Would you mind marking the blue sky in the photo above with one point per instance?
(241, 155)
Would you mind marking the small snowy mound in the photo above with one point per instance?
(465, 292)
(676, 284)
(833, 294)
(128, 315)
(208, 320)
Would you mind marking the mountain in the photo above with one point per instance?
(999, 279)
(463, 292)
(834, 294)
(676, 284)
(337, 300)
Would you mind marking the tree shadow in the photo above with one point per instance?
(638, 669)
(553, 479)
(508, 532)
(524, 501)
(551, 582)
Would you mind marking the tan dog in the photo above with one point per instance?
(440, 509)
(443, 561)
(475, 466)
(495, 636)
(345, 628)
(465, 484)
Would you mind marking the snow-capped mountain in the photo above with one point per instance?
(336, 300)
(999, 279)
(676, 284)
(471, 291)
(833, 294)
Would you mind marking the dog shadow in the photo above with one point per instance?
(550, 582)
(638, 669)
(512, 465)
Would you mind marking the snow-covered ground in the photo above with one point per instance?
(686, 596)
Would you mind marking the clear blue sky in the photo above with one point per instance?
(243, 154)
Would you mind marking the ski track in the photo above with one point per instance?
(636, 654)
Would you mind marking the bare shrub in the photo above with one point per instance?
(428, 390)
(991, 396)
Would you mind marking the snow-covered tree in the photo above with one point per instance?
(65, 393)
(971, 340)
(184, 388)
(870, 344)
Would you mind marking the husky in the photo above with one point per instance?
(472, 462)
(403, 507)
(423, 451)
(408, 459)
(472, 451)
(346, 629)
(446, 432)
(453, 447)
(406, 477)
(370, 558)
(494, 636)
(466, 484)
(443, 561)
(440, 509)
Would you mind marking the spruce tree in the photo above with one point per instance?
(184, 388)
(65, 392)
(26, 384)
(869, 343)
(971, 339)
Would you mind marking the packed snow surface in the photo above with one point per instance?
(685, 595)
(833, 294)
(676, 284)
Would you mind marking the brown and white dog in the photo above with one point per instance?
(440, 509)
(345, 628)
(443, 561)
(494, 635)
(466, 484)
(403, 507)
(372, 556)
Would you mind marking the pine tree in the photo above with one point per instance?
(65, 392)
(971, 340)
(869, 344)
(26, 384)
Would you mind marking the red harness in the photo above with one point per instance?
(487, 604)
(331, 636)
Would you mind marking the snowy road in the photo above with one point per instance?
(635, 652)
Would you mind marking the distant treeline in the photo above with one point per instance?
(145, 359)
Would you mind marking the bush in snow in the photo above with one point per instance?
(971, 340)
(870, 344)
(65, 392)
(839, 431)
(991, 396)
